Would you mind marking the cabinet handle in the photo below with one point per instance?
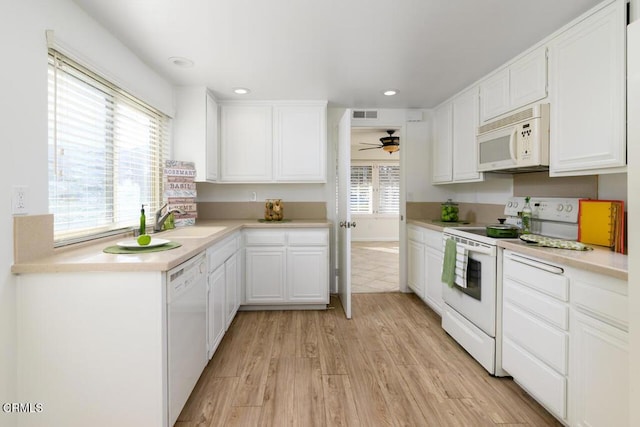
(535, 264)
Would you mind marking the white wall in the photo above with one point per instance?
(23, 132)
(208, 192)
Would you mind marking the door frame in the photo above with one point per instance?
(334, 116)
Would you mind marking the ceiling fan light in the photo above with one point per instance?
(391, 148)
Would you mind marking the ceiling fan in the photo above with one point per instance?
(390, 143)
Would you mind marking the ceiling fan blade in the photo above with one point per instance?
(371, 148)
(368, 143)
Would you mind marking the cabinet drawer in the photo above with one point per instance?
(543, 341)
(220, 252)
(264, 238)
(308, 238)
(433, 239)
(546, 278)
(542, 382)
(607, 305)
(416, 234)
(540, 305)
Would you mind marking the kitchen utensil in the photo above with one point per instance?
(501, 231)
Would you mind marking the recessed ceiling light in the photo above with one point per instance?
(390, 92)
(181, 62)
(241, 90)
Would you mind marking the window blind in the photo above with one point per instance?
(388, 189)
(375, 188)
(106, 153)
(360, 200)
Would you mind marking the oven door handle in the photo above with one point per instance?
(477, 249)
(535, 264)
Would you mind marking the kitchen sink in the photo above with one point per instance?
(191, 232)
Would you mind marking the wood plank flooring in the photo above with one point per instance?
(391, 365)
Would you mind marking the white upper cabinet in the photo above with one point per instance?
(520, 83)
(300, 143)
(273, 142)
(454, 147)
(246, 143)
(465, 126)
(587, 94)
(442, 153)
(195, 130)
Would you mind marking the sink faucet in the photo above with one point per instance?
(160, 219)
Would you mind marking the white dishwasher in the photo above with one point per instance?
(187, 333)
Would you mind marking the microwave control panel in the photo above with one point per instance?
(524, 144)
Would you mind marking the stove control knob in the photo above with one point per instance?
(510, 204)
(560, 208)
(569, 208)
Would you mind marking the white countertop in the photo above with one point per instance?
(600, 260)
(90, 256)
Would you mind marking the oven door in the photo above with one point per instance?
(477, 303)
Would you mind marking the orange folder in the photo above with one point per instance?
(601, 222)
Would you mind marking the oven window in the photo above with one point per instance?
(474, 280)
(495, 150)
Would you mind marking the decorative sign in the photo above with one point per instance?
(180, 190)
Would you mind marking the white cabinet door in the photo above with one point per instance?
(300, 143)
(232, 282)
(528, 79)
(494, 95)
(443, 145)
(465, 126)
(520, 83)
(195, 131)
(433, 272)
(587, 90)
(211, 146)
(416, 268)
(599, 377)
(216, 319)
(265, 275)
(307, 275)
(246, 143)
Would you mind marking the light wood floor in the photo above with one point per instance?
(391, 365)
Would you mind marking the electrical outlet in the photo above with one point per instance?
(253, 197)
(19, 200)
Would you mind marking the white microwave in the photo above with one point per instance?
(515, 143)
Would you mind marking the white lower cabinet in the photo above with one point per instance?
(599, 373)
(416, 263)
(433, 270)
(265, 275)
(223, 289)
(565, 339)
(286, 266)
(216, 319)
(424, 265)
(233, 280)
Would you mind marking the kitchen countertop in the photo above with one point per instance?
(600, 260)
(90, 256)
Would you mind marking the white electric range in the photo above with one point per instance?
(473, 315)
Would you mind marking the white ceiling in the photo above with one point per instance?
(345, 51)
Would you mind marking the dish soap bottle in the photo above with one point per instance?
(526, 216)
(143, 222)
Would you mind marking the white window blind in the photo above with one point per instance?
(106, 153)
(361, 200)
(375, 188)
(388, 189)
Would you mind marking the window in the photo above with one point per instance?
(106, 153)
(375, 188)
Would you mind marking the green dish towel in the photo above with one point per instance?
(449, 263)
(122, 250)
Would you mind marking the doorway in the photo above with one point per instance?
(374, 203)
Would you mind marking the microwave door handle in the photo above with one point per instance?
(512, 144)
